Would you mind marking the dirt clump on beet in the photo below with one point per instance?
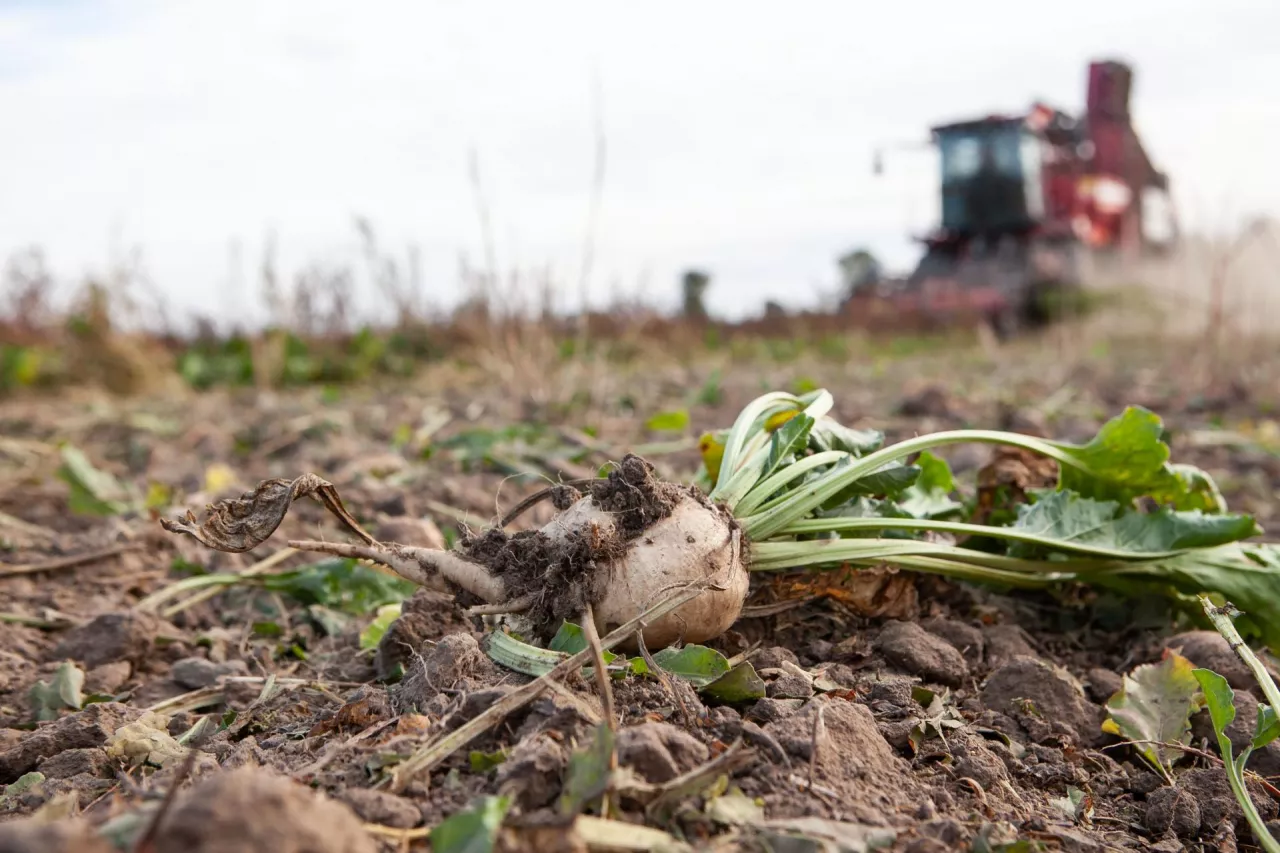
(249, 810)
(562, 576)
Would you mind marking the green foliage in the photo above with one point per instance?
(1128, 458)
(374, 631)
(342, 584)
(697, 664)
(589, 772)
(1105, 527)
(739, 684)
(93, 491)
(929, 495)
(474, 830)
(676, 420)
(1220, 699)
(483, 762)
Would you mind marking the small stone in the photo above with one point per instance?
(945, 829)
(790, 686)
(83, 729)
(912, 649)
(194, 673)
(659, 752)
(981, 766)
(772, 658)
(769, 710)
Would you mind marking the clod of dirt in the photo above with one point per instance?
(31, 836)
(73, 762)
(108, 678)
(659, 752)
(532, 772)
(907, 646)
(1208, 650)
(790, 685)
(1172, 809)
(771, 709)
(382, 807)
(1212, 792)
(83, 729)
(1266, 761)
(852, 759)
(640, 697)
(966, 638)
(128, 635)
(1004, 643)
(256, 811)
(931, 401)
(455, 662)
(194, 673)
(1047, 703)
(427, 615)
(976, 761)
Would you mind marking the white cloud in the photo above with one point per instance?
(739, 135)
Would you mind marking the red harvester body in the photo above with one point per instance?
(1022, 197)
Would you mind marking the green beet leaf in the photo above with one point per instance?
(1066, 521)
(786, 441)
(1246, 574)
(829, 434)
(1128, 458)
(740, 684)
(697, 664)
(930, 495)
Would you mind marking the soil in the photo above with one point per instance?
(933, 714)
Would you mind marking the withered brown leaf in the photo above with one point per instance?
(244, 523)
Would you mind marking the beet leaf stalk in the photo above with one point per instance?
(810, 493)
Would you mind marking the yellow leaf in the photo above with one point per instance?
(158, 495)
(218, 478)
(712, 450)
(779, 419)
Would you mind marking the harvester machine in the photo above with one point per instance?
(1024, 200)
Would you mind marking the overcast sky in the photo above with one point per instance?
(739, 135)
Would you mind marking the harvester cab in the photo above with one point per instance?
(1023, 198)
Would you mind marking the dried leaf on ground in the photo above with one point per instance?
(243, 523)
(1155, 703)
